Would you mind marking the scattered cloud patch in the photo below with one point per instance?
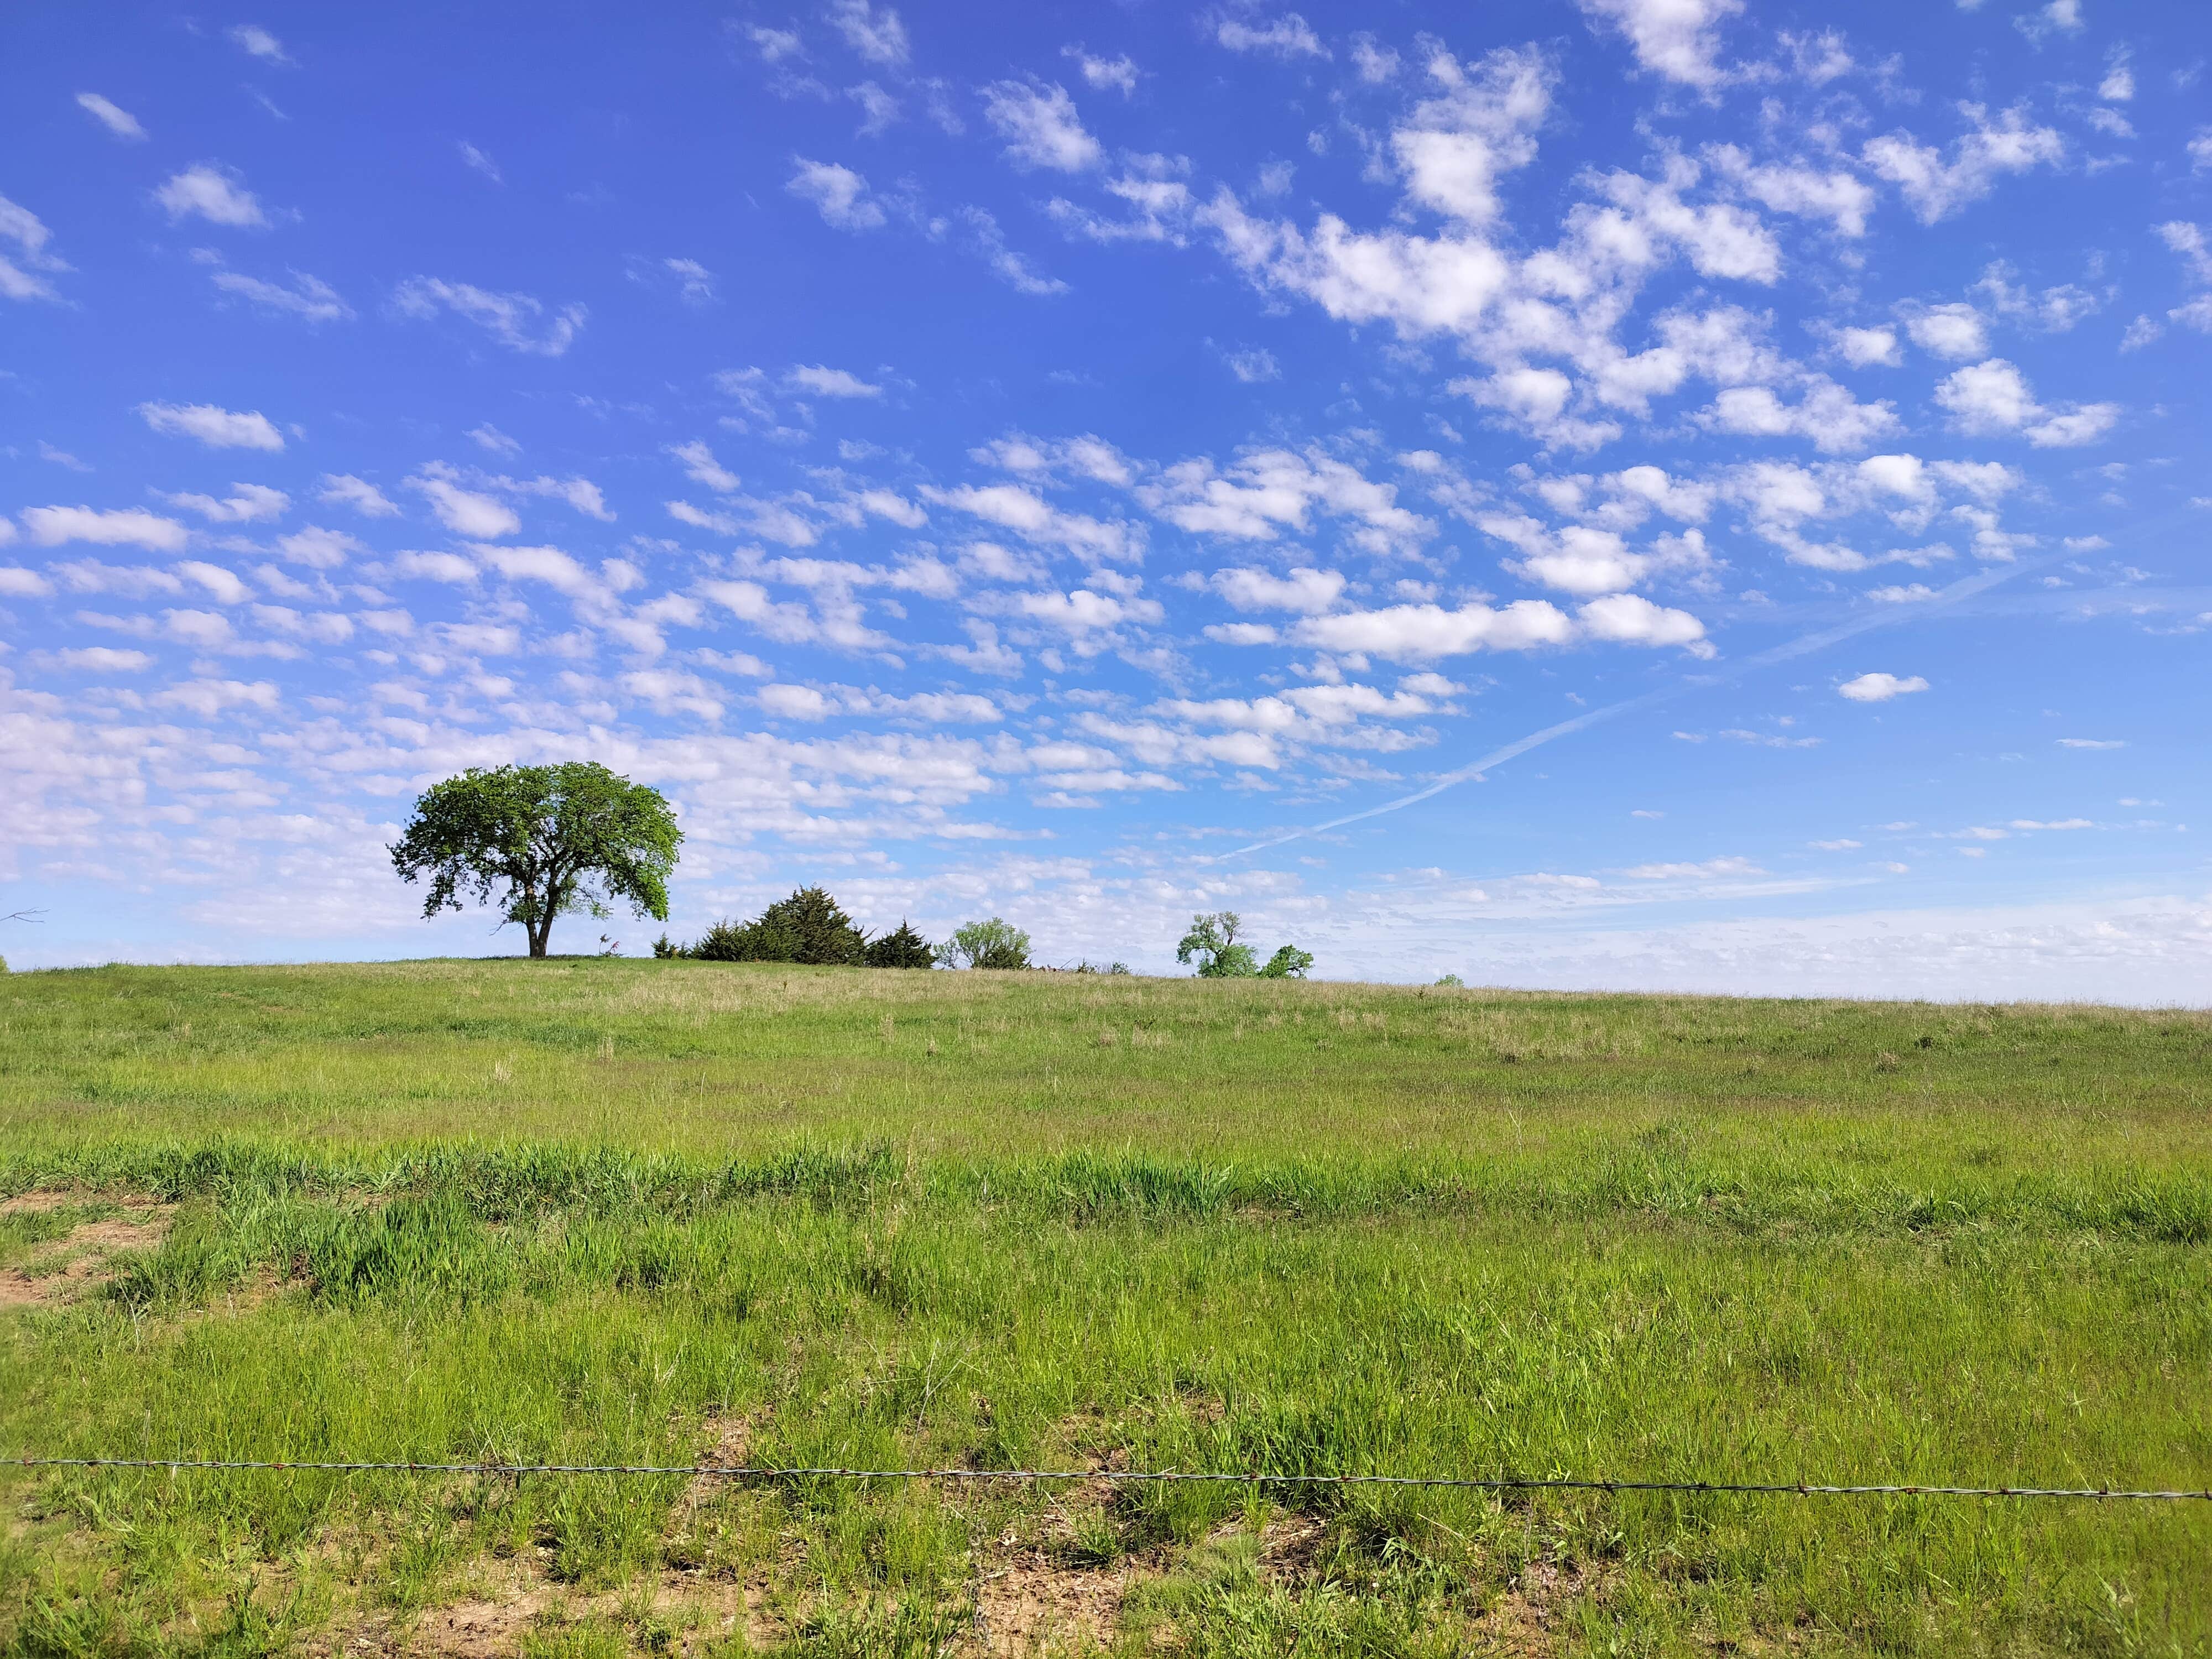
(1880, 688)
(216, 427)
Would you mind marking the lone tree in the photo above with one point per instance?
(902, 948)
(992, 944)
(1213, 939)
(539, 842)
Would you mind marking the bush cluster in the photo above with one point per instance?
(1222, 955)
(811, 928)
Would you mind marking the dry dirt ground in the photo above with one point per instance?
(66, 1268)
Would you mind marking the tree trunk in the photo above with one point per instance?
(540, 932)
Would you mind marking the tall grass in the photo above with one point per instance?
(1667, 1237)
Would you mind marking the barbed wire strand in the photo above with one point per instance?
(775, 1472)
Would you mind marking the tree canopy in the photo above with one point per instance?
(994, 944)
(540, 841)
(809, 926)
(1214, 940)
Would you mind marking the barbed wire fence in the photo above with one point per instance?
(773, 1474)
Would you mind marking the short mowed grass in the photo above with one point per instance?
(623, 1212)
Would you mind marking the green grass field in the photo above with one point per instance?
(634, 1211)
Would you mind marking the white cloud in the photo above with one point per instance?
(476, 160)
(1837, 196)
(1101, 73)
(489, 437)
(2091, 743)
(517, 321)
(695, 283)
(449, 568)
(463, 512)
(1880, 688)
(1454, 145)
(699, 465)
(216, 427)
(1827, 414)
(1936, 188)
(774, 45)
(1949, 331)
(1264, 492)
(309, 298)
(1725, 867)
(319, 549)
(1993, 397)
(876, 34)
(51, 526)
(224, 586)
(117, 120)
(1287, 36)
(22, 227)
(829, 382)
(1254, 366)
(102, 659)
(2054, 17)
(1010, 267)
(17, 583)
(212, 193)
(839, 194)
(2199, 151)
(1040, 125)
(343, 490)
(1305, 589)
(1632, 619)
(1425, 633)
(256, 42)
(1677, 39)
(248, 504)
(1867, 346)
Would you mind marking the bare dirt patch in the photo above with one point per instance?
(66, 1268)
(1035, 1604)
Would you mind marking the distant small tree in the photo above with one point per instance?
(1289, 963)
(900, 948)
(540, 841)
(1213, 939)
(992, 944)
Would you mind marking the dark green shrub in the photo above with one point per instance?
(807, 927)
(902, 948)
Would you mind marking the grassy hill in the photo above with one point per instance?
(606, 1211)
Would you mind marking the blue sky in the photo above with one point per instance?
(1092, 463)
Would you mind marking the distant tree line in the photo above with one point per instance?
(544, 841)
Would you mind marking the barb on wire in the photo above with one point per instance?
(1249, 1478)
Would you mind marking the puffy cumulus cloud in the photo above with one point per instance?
(1480, 124)
(1865, 348)
(248, 503)
(832, 622)
(1264, 492)
(218, 428)
(1305, 589)
(1104, 74)
(222, 585)
(672, 691)
(840, 195)
(1426, 633)
(1287, 36)
(1029, 515)
(464, 511)
(17, 583)
(1676, 39)
(1041, 127)
(1993, 397)
(1805, 192)
(1825, 413)
(1936, 188)
(343, 490)
(520, 322)
(1880, 688)
(1087, 457)
(213, 192)
(1948, 331)
(1632, 619)
(100, 660)
(119, 121)
(208, 698)
(53, 526)
(319, 549)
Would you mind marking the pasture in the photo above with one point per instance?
(587, 1211)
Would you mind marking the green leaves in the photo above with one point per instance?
(538, 841)
(1213, 939)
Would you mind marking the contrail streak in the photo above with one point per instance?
(1958, 590)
